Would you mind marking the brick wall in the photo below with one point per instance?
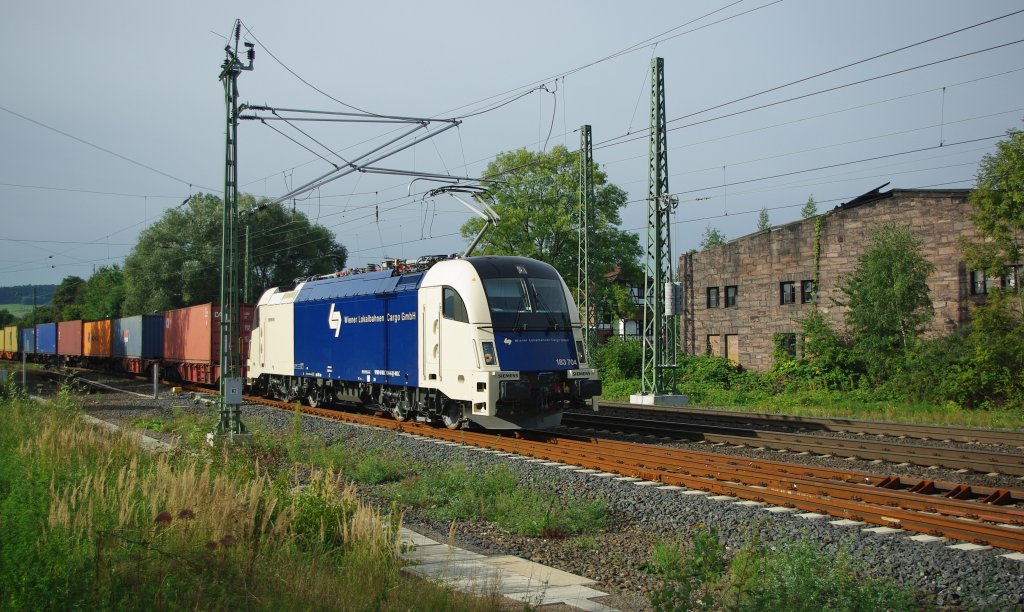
(757, 264)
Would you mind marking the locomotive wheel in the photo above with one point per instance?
(400, 412)
(451, 416)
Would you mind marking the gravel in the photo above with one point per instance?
(642, 515)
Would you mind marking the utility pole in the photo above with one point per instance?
(660, 326)
(230, 423)
(245, 293)
(588, 320)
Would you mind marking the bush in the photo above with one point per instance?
(620, 358)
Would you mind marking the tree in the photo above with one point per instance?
(762, 220)
(537, 198)
(177, 260)
(6, 318)
(68, 298)
(887, 296)
(711, 238)
(104, 294)
(998, 202)
(810, 208)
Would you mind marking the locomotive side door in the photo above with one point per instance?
(430, 335)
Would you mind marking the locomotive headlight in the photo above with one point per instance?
(490, 357)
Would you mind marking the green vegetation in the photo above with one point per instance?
(808, 386)
(176, 260)
(711, 238)
(18, 310)
(795, 577)
(537, 198)
(458, 492)
(91, 522)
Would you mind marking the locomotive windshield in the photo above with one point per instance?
(525, 303)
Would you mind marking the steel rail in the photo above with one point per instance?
(980, 460)
(1007, 437)
(823, 498)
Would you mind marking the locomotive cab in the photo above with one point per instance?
(500, 339)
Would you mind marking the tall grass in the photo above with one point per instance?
(90, 522)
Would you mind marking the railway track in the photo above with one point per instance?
(980, 515)
(980, 460)
(1012, 438)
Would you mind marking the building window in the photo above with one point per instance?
(785, 344)
(978, 283)
(1014, 278)
(638, 295)
(730, 295)
(806, 292)
(713, 297)
(787, 292)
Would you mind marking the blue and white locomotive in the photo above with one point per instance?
(495, 341)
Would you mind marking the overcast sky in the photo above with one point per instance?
(133, 88)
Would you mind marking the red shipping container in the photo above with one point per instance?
(192, 335)
(69, 338)
(96, 338)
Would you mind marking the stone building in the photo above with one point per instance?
(740, 295)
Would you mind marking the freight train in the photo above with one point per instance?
(490, 341)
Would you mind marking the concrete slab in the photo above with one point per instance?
(527, 581)
(846, 523)
(552, 463)
(646, 483)
(440, 552)
(670, 488)
(695, 492)
(722, 497)
(967, 546)
(779, 509)
(749, 503)
(812, 516)
(576, 596)
(604, 475)
(415, 539)
(1014, 556)
(627, 479)
(540, 573)
(924, 538)
(570, 467)
(588, 471)
(882, 530)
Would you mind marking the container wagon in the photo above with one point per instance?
(192, 342)
(69, 341)
(9, 342)
(96, 340)
(46, 342)
(138, 342)
(27, 341)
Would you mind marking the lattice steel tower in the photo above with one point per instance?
(588, 319)
(230, 368)
(660, 328)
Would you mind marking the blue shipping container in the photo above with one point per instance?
(138, 337)
(46, 338)
(27, 338)
(358, 329)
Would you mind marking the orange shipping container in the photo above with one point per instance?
(96, 338)
(192, 334)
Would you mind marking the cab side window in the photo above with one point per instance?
(454, 308)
